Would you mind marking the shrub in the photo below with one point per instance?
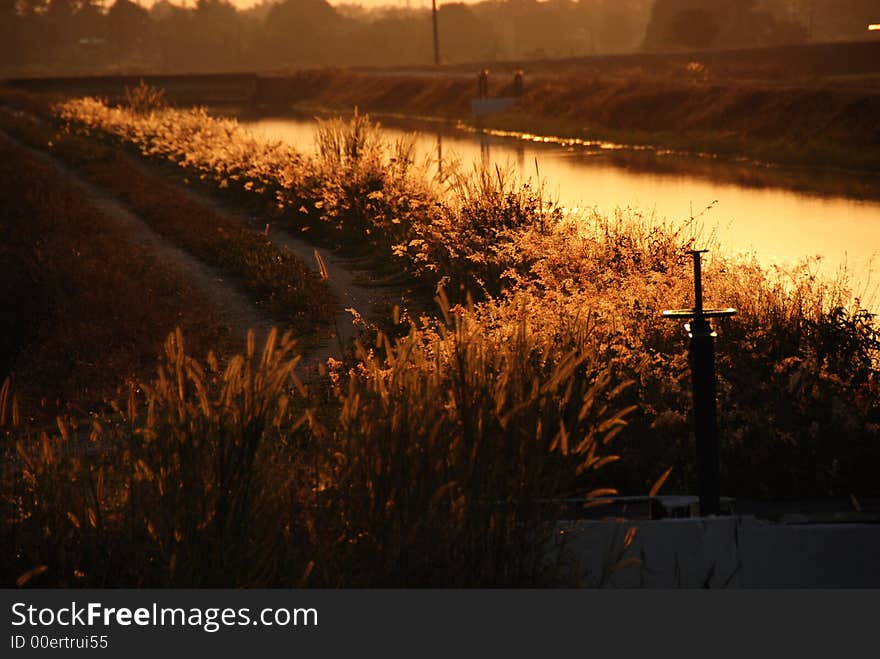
(144, 98)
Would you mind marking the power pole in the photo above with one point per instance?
(811, 10)
(436, 39)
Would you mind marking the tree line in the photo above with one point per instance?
(39, 37)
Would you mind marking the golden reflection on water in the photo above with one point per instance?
(779, 216)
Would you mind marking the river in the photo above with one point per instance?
(780, 215)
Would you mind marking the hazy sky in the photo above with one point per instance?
(415, 4)
(392, 3)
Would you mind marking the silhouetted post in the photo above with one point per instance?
(440, 154)
(518, 83)
(483, 84)
(436, 38)
(702, 362)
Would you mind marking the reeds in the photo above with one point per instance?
(447, 447)
(144, 98)
(453, 442)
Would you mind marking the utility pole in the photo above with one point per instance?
(436, 38)
(810, 15)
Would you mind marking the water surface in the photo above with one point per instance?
(780, 215)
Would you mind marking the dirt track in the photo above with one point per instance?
(235, 308)
(344, 277)
(355, 300)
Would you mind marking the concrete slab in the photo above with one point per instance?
(723, 552)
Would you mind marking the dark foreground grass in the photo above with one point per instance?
(434, 472)
(81, 303)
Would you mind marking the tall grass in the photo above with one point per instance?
(144, 98)
(450, 440)
(167, 491)
(446, 446)
(797, 367)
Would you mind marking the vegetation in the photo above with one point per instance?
(64, 264)
(293, 294)
(211, 477)
(607, 278)
(699, 25)
(434, 453)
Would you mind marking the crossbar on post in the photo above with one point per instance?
(705, 415)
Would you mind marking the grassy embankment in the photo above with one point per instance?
(271, 274)
(84, 307)
(797, 123)
(421, 461)
(212, 474)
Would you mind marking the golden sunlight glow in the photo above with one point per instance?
(874, 27)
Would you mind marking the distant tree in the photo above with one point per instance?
(694, 28)
(217, 36)
(10, 32)
(89, 20)
(89, 31)
(128, 25)
(60, 36)
(835, 20)
(171, 39)
(300, 32)
(386, 38)
(619, 25)
(696, 24)
(463, 36)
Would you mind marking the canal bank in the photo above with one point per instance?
(779, 215)
(809, 104)
(824, 121)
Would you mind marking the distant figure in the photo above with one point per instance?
(518, 83)
(483, 84)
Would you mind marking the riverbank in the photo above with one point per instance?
(813, 105)
(442, 450)
(815, 124)
(487, 234)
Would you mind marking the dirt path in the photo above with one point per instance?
(234, 307)
(346, 279)
(355, 299)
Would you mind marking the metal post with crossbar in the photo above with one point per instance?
(702, 362)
